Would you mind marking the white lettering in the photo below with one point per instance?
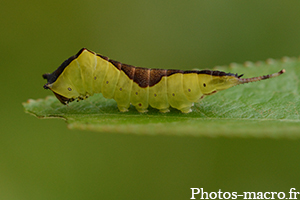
(193, 192)
(283, 195)
(215, 195)
(265, 195)
(219, 194)
(227, 193)
(260, 195)
(245, 195)
(273, 194)
(293, 193)
(234, 195)
(203, 193)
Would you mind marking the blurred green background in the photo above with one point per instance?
(42, 159)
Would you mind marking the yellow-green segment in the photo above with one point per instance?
(87, 73)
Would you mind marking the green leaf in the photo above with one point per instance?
(268, 108)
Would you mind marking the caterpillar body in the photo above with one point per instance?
(87, 73)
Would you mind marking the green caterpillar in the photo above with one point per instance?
(87, 73)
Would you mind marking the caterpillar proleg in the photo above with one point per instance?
(87, 73)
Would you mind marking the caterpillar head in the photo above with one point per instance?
(49, 85)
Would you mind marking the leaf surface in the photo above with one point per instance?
(269, 108)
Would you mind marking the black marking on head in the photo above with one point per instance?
(51, 78)
(204, 85)
(62, 99)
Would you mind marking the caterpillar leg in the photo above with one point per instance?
(164, 110)
(123, 109)
(186, 110)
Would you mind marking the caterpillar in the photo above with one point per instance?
(87, 73)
